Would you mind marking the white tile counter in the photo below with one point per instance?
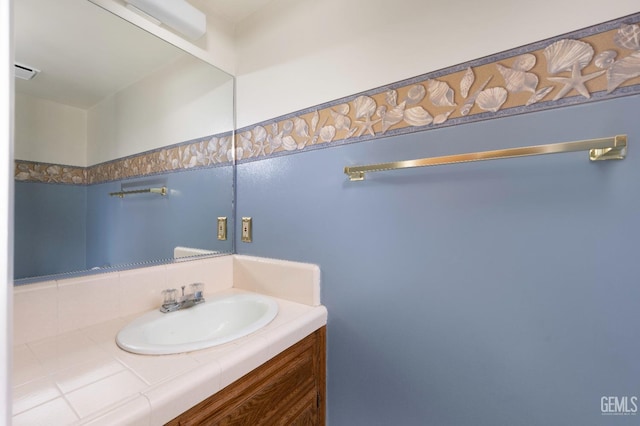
(80, 376)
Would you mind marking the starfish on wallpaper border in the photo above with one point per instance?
(576, 81)
(367, 126)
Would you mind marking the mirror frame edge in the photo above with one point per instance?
(184, 45)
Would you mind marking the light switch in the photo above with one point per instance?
(222, 228)
(246, 229)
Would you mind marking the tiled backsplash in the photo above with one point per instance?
(50, 308)
(53, 307)
(65, 353)
(278, 278)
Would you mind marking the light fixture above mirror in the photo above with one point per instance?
(176, 14)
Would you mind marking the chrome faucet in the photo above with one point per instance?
(172, 303)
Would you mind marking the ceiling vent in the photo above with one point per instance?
(24, 72)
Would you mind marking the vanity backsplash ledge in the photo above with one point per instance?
(49, 308)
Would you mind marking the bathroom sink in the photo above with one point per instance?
(221, 319)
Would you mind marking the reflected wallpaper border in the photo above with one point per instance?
(588, 65)
(209, 151)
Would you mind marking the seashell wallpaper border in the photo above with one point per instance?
(210, 151)
(596, 63)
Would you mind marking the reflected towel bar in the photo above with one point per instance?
(612, 148)
(162, 191)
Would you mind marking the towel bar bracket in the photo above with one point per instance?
(617, 152)
(354, 176)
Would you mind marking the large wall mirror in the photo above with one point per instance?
(114, 109)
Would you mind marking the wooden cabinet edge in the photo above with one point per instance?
(295, 377)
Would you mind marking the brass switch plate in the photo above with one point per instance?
(246, 230)
(222, 228)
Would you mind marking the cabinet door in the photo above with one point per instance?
(307, 414)
(287, 390)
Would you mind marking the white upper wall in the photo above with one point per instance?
(186, 100)
(217, 47)
(219, 41)
(294, 54)
(49, 132)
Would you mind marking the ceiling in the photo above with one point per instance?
(85, 53)
(233, 10)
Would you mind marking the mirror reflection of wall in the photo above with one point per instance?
(114, 108)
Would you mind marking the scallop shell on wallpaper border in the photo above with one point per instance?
(417, 116)
(524, 62)
(415, 94)
(327, 133)
(623, 70)
(628, 37)
(392, 117)
(440, 93)
(518, 81)
(289, 144)
(467, 81)
(301, 127)
(259, 134)
(341, 121)
(563, 54)
(287, 127)
(244, 141)
(492, 99)
(364, 107)
(605, 59)
(342, 109)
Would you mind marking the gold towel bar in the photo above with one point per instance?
(613, 148)
(162, 191)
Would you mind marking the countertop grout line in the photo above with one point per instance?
(99, 342)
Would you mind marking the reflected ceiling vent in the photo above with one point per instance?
(24, 72)
(176, 14)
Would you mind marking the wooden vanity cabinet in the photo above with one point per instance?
(286, 390)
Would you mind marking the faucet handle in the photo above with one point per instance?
(196, 290)
(169, 296)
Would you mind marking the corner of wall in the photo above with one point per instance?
(294, 281)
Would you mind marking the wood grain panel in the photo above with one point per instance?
(287, 390)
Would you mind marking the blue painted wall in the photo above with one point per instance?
(48, 216)
(64, 228)
(496, 293)
(147, 227)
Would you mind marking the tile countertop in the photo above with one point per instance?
(83, 377)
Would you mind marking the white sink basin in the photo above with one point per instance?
(219, 320)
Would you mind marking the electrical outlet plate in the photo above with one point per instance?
(222, 228)
(246, 230)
